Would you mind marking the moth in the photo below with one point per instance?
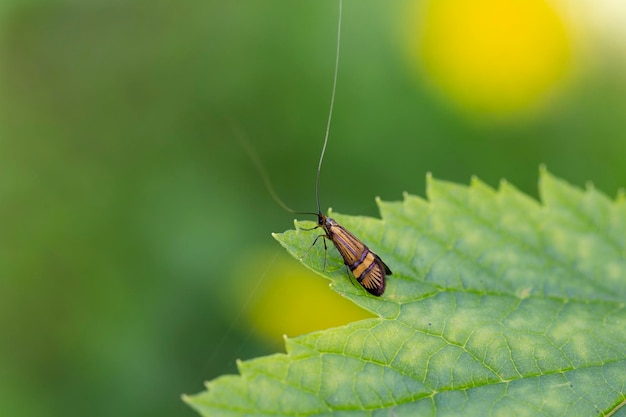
(368, 269)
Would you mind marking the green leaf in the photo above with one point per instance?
(498, 305)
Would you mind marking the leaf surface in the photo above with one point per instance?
(498, 305)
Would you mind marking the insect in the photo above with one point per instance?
(367, 268)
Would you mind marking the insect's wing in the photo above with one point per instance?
(373, 279)
(368, 269)
(387, 270)
(348, 245)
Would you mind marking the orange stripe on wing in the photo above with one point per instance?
(363, 266)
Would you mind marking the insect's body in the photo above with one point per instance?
(368, 269)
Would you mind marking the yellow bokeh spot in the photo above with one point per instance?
(292, 300)
(491, 56)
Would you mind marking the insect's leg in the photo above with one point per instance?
(306, 229)
(325, 252)
(311, 247)
(351, 278)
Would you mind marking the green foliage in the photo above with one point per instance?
(498, 305)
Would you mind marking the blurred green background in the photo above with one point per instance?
(136, 259)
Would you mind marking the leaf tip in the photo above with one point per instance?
(241, 365)
(429, 181)
(278, 237)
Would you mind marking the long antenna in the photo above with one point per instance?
(247, 146)
(259, 166)
(330, 113)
